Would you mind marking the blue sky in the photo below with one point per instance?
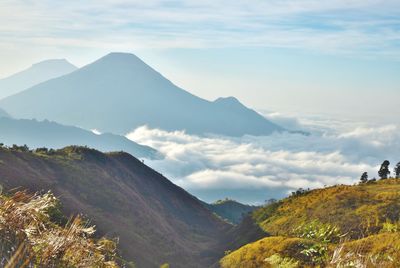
(310, 56)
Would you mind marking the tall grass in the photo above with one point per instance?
(28, 238)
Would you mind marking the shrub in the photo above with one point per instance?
(389, 227)
(323, 235)
(278, 261)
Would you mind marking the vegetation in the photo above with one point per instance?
(397, 171)
(29, 238)
(230, 210)
(384, 171)
(364, 178)
(338, 226)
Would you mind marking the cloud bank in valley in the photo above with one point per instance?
(253, 169)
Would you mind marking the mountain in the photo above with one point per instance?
(119, 92)
(156, 221)
(37, 134)
(34, 75)
(230, 210)
(337, 225)
(3, 113)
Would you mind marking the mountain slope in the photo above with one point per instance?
(34, 75)
(230, 210)
(156, 221)
(119, 92)
(342, 224)
(3, 113)
(52, 135)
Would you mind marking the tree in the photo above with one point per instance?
(364, 177)
(384, 171)
(397, 171)
(270, 201)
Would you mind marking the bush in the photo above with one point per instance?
(323, 235)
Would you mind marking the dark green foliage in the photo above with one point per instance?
(42, 150)
(265, 212)
(300, 192)
(23, 148)
(364, 177)
(397, 171)
(384, 171)
(56, 215)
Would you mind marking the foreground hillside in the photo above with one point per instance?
(156, 221)
(340, 226)
(31, 235)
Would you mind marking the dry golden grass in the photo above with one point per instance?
(367, 219)
(29, 239)
(254, 255)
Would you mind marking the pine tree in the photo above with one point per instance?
(397, 171)
(384, 171)
(364, 177)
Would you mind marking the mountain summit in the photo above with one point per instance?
(37, 73)
(120, 92)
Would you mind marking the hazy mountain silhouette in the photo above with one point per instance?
(3, 113)
(119, 92)
(52, 135)
(34, 75)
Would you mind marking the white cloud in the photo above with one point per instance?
(95, 131)
(337, 25)
(283, 162)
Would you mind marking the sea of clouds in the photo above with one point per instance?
(254, 169)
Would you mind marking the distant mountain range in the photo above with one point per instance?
(156, 221)
(34, 75)
(119, 93)
(3, 113)
(231, 210)
(52, 135)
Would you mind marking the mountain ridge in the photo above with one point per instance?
(156, 221)
(119, 92)
(35, 74)
(36, 134)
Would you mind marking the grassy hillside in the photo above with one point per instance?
(339, 226)
(230, 210)
(156, 221)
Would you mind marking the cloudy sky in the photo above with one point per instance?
(339, 56)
